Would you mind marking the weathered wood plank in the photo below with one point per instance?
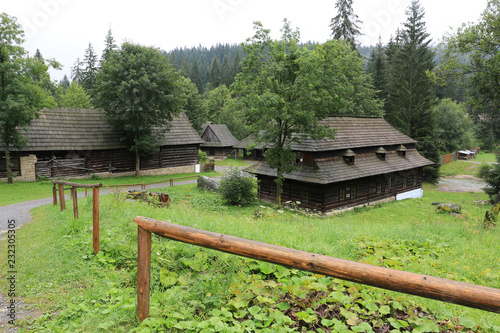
(143, 271)
(461, 293)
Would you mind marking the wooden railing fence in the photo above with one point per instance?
(74, 195)
(58, 186)
(450, 291)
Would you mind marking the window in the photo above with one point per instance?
(379, 187)
(404, 182)
(381, 152)
(353, 192)
(401, 151)
(342, 194)
(348, 157)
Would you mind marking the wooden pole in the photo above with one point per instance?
(95, 219)
(85, 192)
(54, 194)
(74, 195)
(61, 197)
(143, 272)
(450, 291)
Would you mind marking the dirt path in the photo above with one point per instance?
(461, 183)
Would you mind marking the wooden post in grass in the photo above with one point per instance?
(95, 219)
(54, 194)
(74, 195)
(61, 197)
(143, 272)
(445, 290)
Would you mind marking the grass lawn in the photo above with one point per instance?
(25, 191)
(195, 289)
(485, 157)
(231, 162)
(460, 168)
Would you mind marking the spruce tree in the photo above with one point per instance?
(65, 83)
(377, 68)
(236, 68)
(76, 71)
(184, 69)
(215, 73)
(109, 46)
(226, 77)
(89, 70)
(196, 76)
(411, 91)
(345, 25)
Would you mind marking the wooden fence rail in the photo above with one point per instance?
(58, 185)
(450, 291)
(74, 196)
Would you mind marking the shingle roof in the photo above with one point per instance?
(87, 129)
(223, 134)
(354, 132)
(250, 139)
(337, 170)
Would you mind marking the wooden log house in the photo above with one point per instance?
(369, 161)
(72, 143)
(218, 140)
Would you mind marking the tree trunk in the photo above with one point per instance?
(10, 179)
(278, 193)
(137, 162)
(279, 187)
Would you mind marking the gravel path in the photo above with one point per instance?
(20, 214)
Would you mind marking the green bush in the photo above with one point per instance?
(238, 187)
(484, 170)
(202, 157)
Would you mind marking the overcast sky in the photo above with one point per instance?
(62, 29)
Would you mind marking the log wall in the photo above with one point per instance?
(325, 198)
(112, 161)
(14, 159)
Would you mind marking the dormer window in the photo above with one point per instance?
(381, 153)
(348, 157)
(401, 151)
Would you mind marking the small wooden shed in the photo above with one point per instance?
(73, 143)
(218, 140)
(369, 161)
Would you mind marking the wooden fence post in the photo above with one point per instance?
(171, 182)
(143, 271)
(54, 194)
(75, 201)
(61, 197)
(95, 219)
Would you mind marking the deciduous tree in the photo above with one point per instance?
(285, 95)
(75, 97)
(481, 42)
(20, 95)
(139, 90)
